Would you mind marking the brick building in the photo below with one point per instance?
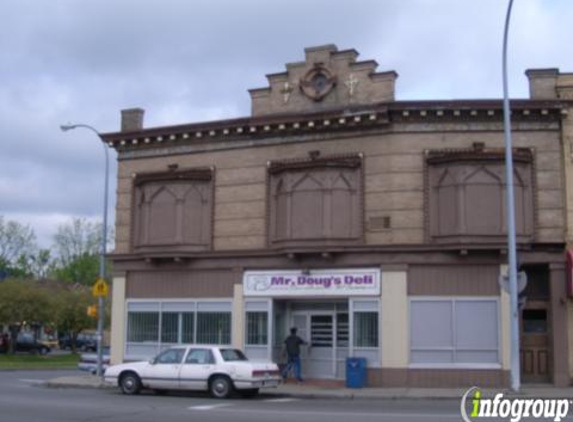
(375, 226)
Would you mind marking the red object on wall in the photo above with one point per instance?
(570, 273)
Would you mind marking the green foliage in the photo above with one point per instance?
(78, 245)
(76, 239)
(82, 269)
(27, 296)
(25, 301)
(73, 258)
(55, 304)
(71, 310)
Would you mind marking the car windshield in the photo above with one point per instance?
(230, 355)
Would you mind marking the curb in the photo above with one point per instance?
(357, 396)
(267, 394)
(88, 383)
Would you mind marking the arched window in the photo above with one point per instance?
(315, 201)
(173, 211)
(467, 196)
(446, 192)
(482, 202)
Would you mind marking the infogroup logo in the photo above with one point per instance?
(474, 407)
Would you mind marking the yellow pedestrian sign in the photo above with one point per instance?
(100, 288)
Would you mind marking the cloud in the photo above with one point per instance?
(82, 61)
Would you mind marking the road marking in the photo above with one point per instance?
(208, 406)
(333, 414)
(32, 381)
(285, 400)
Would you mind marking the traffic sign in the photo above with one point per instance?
(100, 288)
(503, 281)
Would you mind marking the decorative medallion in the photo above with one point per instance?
(317, 82)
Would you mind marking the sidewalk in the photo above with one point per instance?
(311, 391)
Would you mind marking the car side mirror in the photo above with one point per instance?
(152, 361)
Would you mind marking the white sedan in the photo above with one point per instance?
(219, 370)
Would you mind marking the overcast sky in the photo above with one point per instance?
(188, 61)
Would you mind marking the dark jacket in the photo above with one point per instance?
(293, 343)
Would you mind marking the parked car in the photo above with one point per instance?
(219, 370)
(25, 342)
(88, 361)
(84, 341)
(50, 342)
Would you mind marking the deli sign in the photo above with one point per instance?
(324, 283)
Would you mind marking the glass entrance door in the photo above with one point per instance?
(318, 330)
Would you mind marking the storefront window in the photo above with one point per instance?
(342, 330)
(366, 329)
(188, 323)
(214, 328)
(142, 326)
(454, 331)
(169, 327)
(321, 331)
(151, 324)
(257, 328)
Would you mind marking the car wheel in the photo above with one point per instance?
(43, 351)
(250, 393)
(220, 387)
(130, 383)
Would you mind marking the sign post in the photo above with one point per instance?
(100, 290)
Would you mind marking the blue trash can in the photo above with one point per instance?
(355, 372)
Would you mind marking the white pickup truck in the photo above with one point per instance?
(219, 370)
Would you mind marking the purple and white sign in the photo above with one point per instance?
(328, 283)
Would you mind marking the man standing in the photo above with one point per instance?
(293, 343)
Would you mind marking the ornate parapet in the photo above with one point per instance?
(328, 78)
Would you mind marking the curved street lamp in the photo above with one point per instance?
(510, 206)
(100, 321)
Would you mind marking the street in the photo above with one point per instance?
(23, 399)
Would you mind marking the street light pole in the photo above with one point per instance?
(101, 310)
(510, 207)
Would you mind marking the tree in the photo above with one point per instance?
(37, 265)
(71, 311)
(16, 241)
(77, 238)
(78, 244)
(25, 302)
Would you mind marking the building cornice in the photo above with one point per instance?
(294, 253)
(337, 120)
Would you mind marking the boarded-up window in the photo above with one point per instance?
(173, 211)
(467, 196)
(454, 331)
(315, 201)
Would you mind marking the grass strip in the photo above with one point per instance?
(29, 361)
